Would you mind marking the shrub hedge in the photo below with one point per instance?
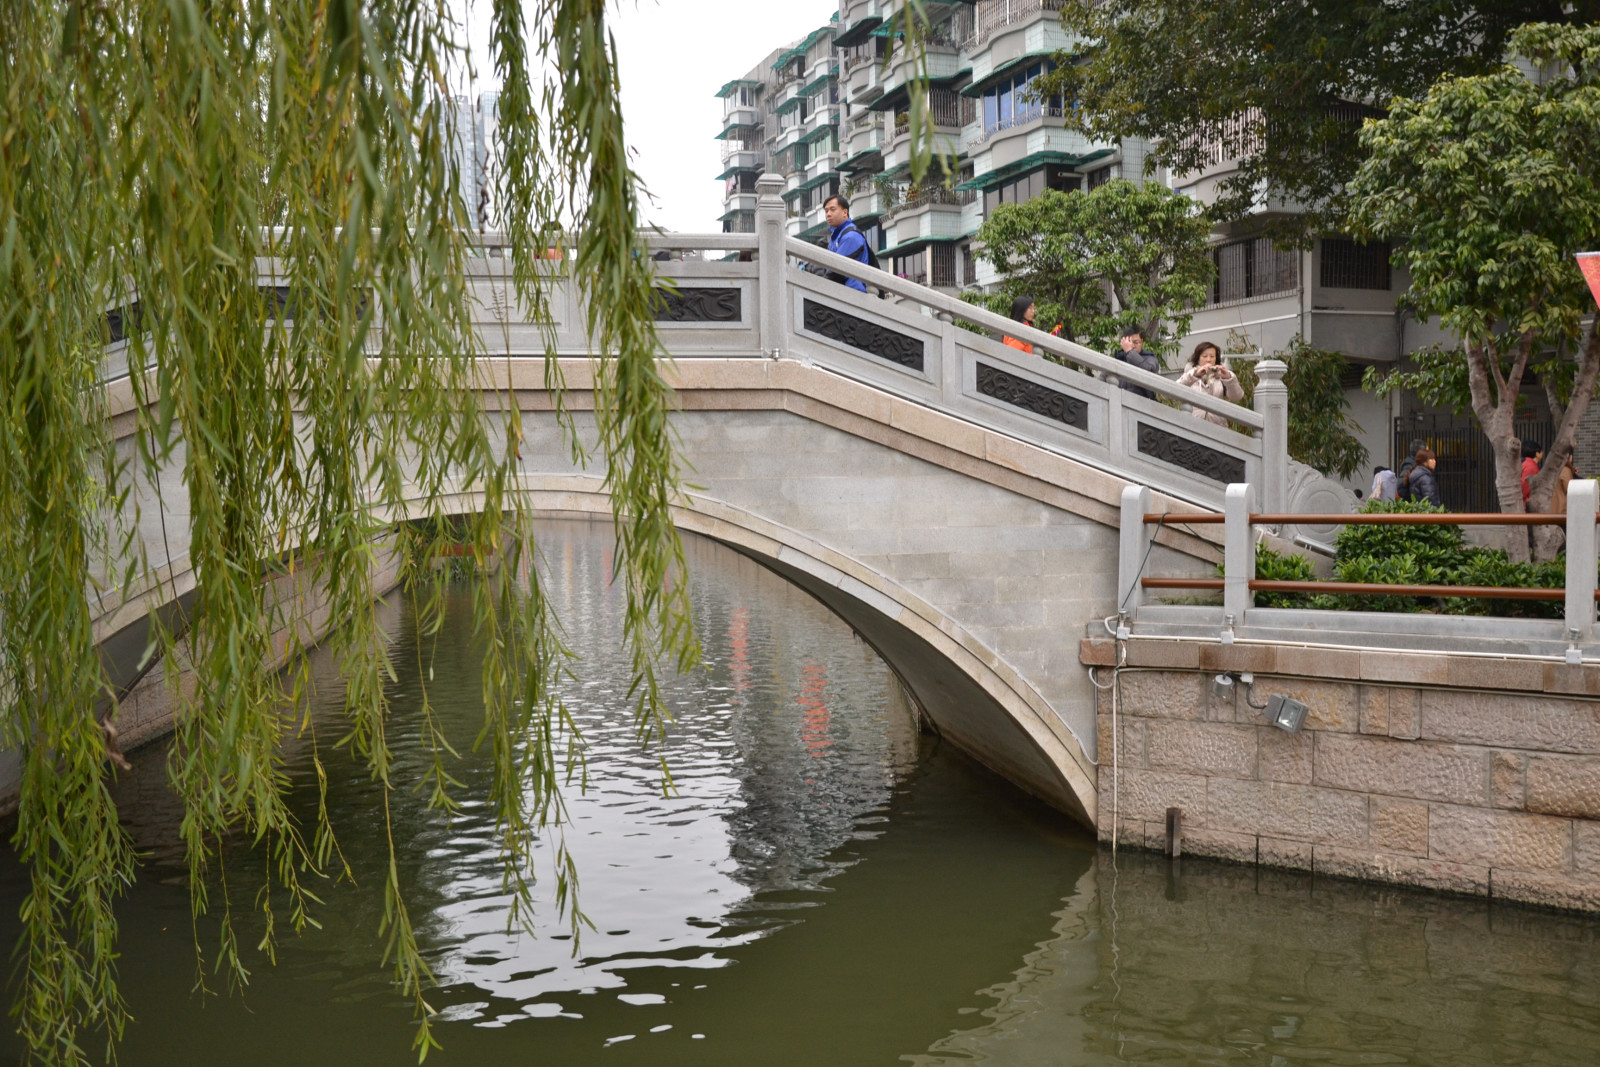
(1414, 555)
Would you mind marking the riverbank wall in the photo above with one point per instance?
(1469, 774)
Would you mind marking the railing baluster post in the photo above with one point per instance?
(1272, 401)
(770, 234)
(1582, 495)
(1132, 544)
(1238, 555)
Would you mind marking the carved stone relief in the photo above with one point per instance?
(1031, 396)
(862, 335)
(1189, 454)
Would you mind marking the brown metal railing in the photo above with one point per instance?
(1265, 585)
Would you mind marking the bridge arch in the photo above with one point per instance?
(969, 694)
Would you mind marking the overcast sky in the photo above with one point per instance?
(674, 55)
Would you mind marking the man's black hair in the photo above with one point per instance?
(1133, 331)
(1531, 449)
(844, 205)
(1380, 468)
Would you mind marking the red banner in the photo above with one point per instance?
(1589, 263)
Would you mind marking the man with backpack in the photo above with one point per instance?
(845, 238)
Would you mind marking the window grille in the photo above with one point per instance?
(1251, 268)
(1348, 265)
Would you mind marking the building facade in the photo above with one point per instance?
(832, 114)
(783, 117)
(474, 135)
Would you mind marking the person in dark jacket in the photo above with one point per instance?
(1419, 480)
(1133, 353)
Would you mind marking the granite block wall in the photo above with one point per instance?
(1485, 791)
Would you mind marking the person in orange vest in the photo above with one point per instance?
(1023, 310)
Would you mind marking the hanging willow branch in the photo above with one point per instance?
(156, 156)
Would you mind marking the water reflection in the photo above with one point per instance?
(826, 886)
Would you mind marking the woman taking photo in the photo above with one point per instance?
(1207, 373)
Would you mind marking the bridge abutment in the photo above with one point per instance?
(1469, 774)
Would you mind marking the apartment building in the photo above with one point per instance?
(831, 113)
(993, 145)
(473, 129)
(783, 117)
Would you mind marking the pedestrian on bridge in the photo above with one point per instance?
(1207, 372)
(1023, 309)
(1133, 353)
(846, 239)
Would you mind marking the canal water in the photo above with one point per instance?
(826, 885)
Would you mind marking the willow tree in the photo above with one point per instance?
(152, 154)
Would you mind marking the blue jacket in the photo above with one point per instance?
(846, 240)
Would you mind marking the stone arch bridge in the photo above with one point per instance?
(955, 500)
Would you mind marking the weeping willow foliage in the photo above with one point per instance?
(156, 156)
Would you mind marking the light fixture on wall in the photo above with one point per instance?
(1222, 686)
(1286, 713)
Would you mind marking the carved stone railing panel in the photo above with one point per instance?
(699, 304)
(1029, 395)
(862, 335)
(1191, 455)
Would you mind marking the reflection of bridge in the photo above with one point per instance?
(955, 500)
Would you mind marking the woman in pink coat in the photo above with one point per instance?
(1207, 373)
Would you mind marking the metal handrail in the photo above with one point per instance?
(1377, 519)
(1272, 585)
(1071, 351)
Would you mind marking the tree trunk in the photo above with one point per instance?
(1495, 418)
(1547, 539)
(1508, 490)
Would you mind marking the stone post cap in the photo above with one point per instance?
(770, 184)
(1271, 370)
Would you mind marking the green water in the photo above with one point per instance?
(828, 886)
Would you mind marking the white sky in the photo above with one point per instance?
(674, 55)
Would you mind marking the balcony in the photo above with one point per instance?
(788, 97)
(787, 138)
(738, 202)
(866, 203)
(819, 77)
(740, 161)
(944, 63)
(1004, 127)
(823, 165)
(936, 197)
(994, 17)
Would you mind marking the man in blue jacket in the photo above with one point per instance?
(844, 238)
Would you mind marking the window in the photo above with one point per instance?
(1348, 265)
(1028, 186)
(969, 266)
(934, 265)
(1006, 103)
(913, 266)
(1251, 268)
(1099, 176)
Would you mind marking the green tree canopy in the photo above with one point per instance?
(1142, 244)
(1277, 85)
(151, 156)
(1491, 183)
